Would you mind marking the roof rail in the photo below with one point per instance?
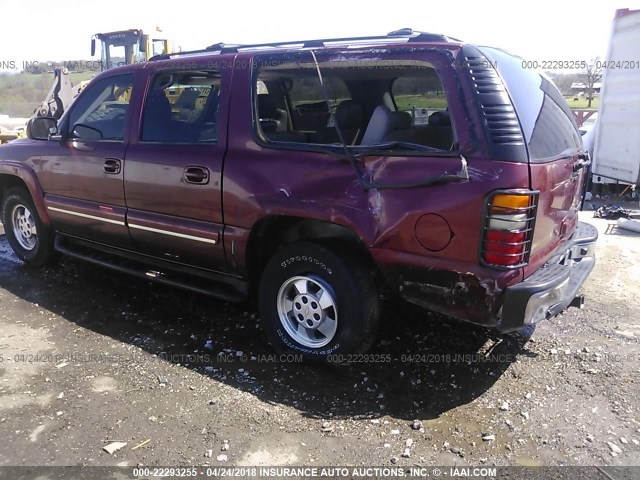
(408, 33)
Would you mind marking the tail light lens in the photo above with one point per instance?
(508, 229)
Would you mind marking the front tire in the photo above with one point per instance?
(318, 301)
(30, 239)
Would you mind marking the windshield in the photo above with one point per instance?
(120, 49)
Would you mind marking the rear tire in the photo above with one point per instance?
(318, 302)
(30, 239)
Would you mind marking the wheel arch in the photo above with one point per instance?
(17, 176)
(272, 232)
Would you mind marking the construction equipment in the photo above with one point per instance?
(11, 128)
(125, 47)
(122, 47)
(60, 95)
(117, 48)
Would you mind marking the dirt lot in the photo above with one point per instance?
(90, 357)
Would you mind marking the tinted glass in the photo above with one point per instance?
(103, 107)
(553, 135)
(547, 123)
(182, 107)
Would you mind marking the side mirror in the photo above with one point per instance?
(144, 40)
(93, 47)
(41, 128)
(85, 133)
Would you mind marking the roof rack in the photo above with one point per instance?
(220, 48)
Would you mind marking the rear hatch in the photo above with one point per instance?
(557, 169)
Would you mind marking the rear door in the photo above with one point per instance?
(174, 165)
(556, 158)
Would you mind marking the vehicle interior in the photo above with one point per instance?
(372, 103)
(104, 110)
(182, 107)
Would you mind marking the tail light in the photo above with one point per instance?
(508, 228)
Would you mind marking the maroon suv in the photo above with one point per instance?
(321, 176)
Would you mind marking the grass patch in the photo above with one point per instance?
(405, 102)
(582, 102)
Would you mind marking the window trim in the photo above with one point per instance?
(262, 141)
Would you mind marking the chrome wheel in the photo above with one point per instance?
(24, 227)
(308, 311)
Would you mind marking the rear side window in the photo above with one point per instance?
(553, 134)
(182, 107)
(421, 95)
(310, 109)
(383, 101)
(548, 125)
(306, 90)
(102, 109)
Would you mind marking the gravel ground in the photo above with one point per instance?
(90, 357)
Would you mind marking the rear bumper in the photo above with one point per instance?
(552, 288)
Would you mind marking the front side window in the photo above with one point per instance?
(182, 107)
(364, 103)
(100, 113)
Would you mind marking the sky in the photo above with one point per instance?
(535, 30)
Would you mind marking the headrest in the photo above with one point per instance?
(267, 107)
(349, 115)
(401, 120)
(187, 98)
(439, 119)
(379, 126)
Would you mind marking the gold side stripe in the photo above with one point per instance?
(174, 234)
(84, 215)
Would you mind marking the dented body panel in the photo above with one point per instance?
(425, 242)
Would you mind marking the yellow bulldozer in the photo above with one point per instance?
(129, 46)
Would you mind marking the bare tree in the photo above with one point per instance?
(564, 81)
(591, 75)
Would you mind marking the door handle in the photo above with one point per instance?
(112, 165)
(198, 175)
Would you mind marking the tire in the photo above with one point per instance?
(318, 302)
(30, 239)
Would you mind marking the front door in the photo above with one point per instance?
(82, 174)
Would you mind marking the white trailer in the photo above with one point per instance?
(616, 136)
